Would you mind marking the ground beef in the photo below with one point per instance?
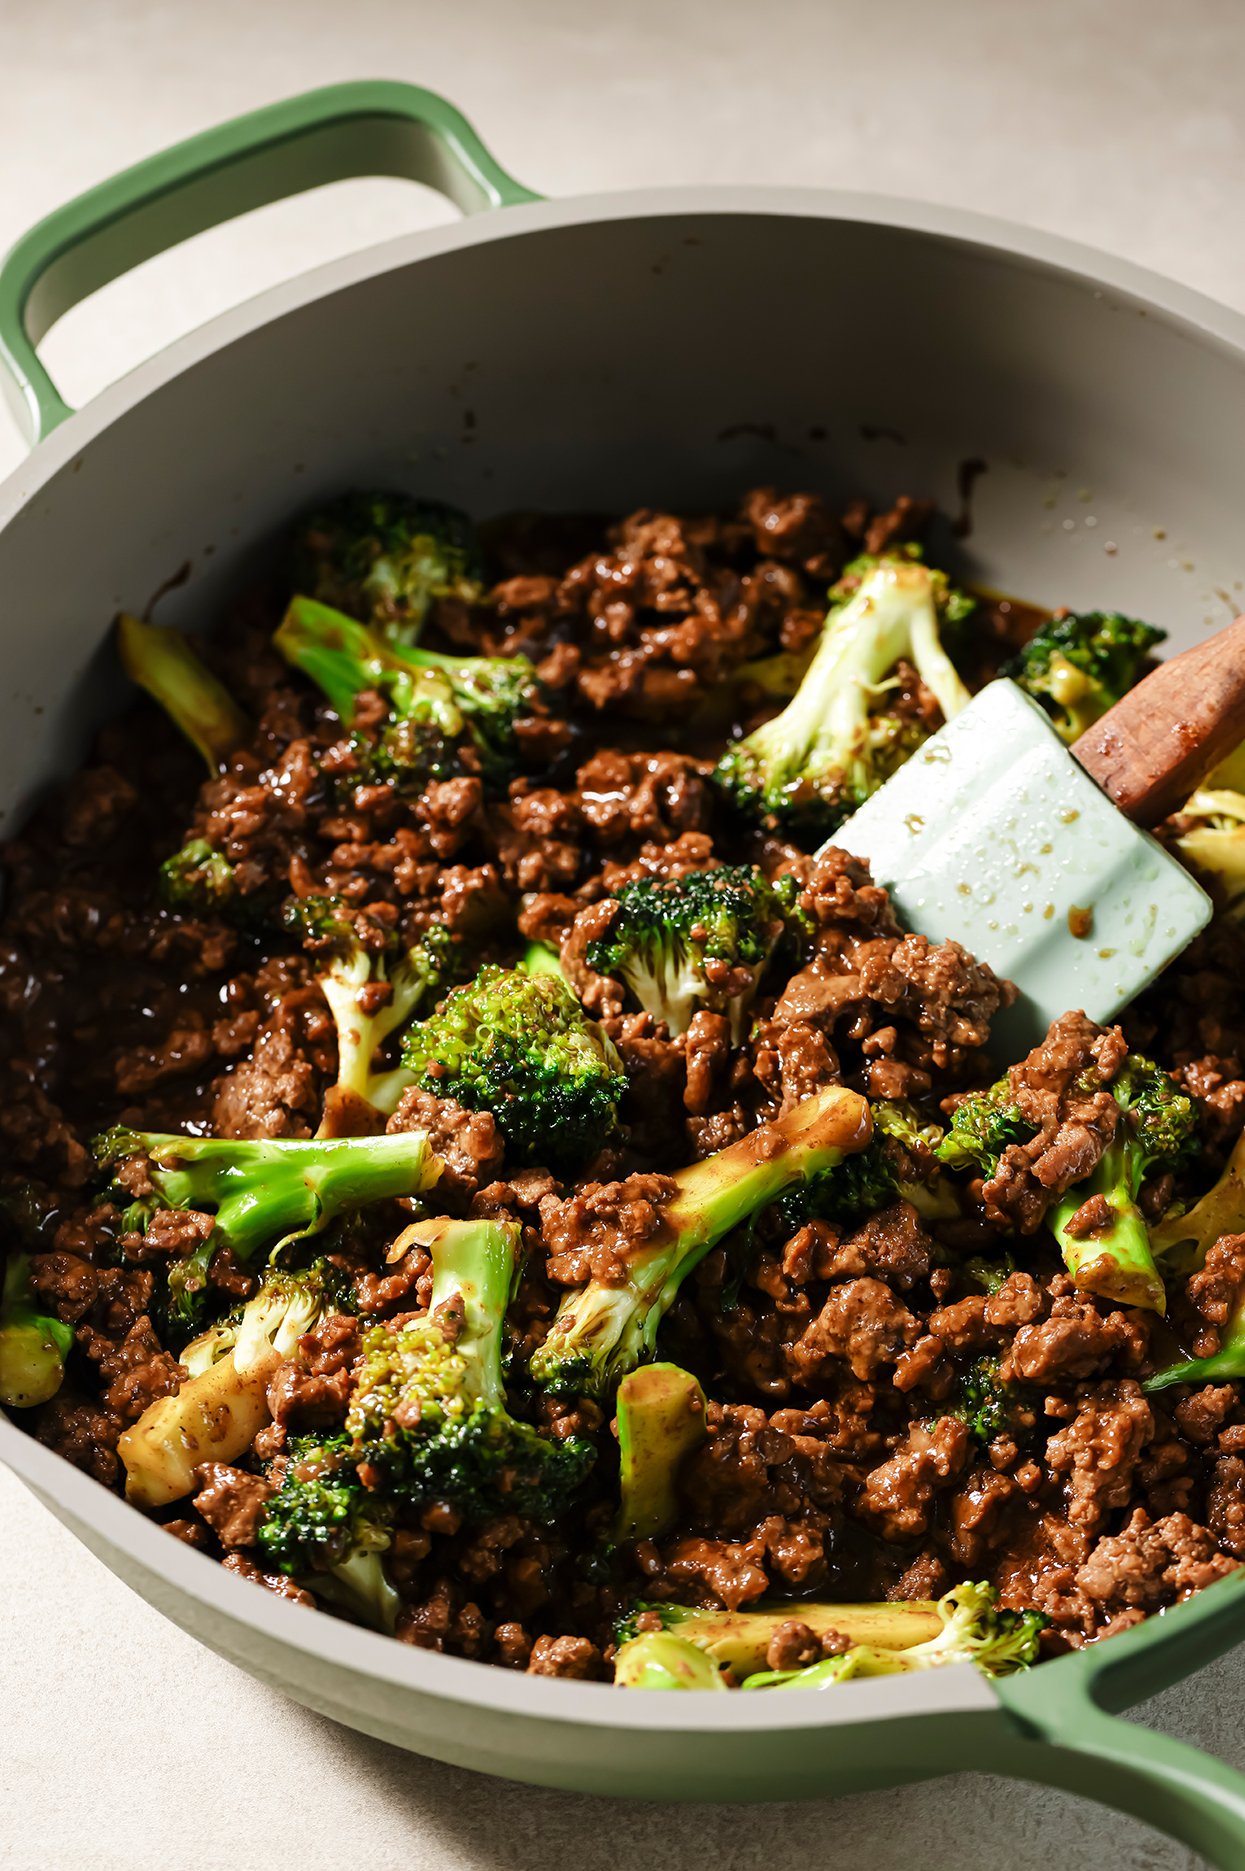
(861, 1323)
(1150, 1564)
(898, 1495)
(572, 1657)
(231, 1502)
(1061, 1091)
(1080, 1338)
(468, 1142)
(838, 1348)
(1097, 1453)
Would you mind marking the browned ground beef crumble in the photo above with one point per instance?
(833, 1465)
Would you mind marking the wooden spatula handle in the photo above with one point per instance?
(1153, 749)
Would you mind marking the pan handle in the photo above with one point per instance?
(1062, 1736)
(343, 130)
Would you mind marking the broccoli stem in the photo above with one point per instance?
(343, 657)
(541, 958)
(664, 1660)
(1185, 1240)
(473, 1269)
(740, 1640)
(601, 1332)
(215, 1415)
(33, 1346)
(661, 1419)
(162, 662)
(964, 1625)
(277, 1189)
(1225, 1366)
(1118, 1264)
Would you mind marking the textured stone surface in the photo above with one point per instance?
(1116, 121)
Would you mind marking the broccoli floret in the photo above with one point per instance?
(973, 1631)
(703, 940)
(885, 1639)
(373, 987)
(265, 1191)
(520, 1045)
(1156, 1131)
(660, 1420)
(33, 1344)
(900, 1164)
(603, 1331)
(1183, 1239)
(989, 1275)
(1079, 664)
(427, 1418)
(982, 1127)
(162, 662)
(218, 1411)
(198, 880)
(540, 958)
(989, 1407)
(839, 738)
(323, 1528)
(385, 558)
(739, 1640)
(456, 699)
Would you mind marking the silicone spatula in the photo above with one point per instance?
(1034, 855)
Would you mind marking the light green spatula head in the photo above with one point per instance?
(994, 835)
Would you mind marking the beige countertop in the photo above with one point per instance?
(122, 1743)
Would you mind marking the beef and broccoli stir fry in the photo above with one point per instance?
(477, 1158)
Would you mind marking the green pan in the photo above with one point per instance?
(662, 346)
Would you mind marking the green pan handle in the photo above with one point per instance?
(324, 136)
(1062, 1736)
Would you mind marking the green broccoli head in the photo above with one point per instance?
(427, 1418)
(899, 1164)
(520, 1045)
(199, 879)
(1156, 1132)
(983, 1126)
(1079, 664)
(463, 701)
(840, 738)
(385, 558)
(702, 940)
(325, 1529)
(1160, 1122)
